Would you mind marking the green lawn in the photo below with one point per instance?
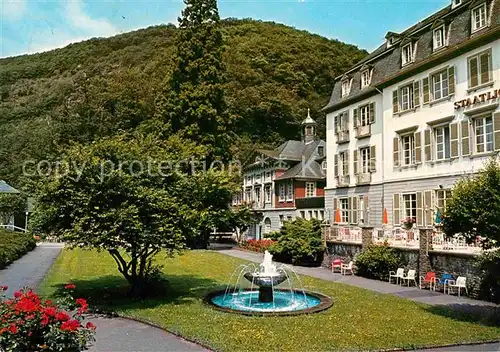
(359, 319)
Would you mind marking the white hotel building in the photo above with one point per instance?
(414, 116)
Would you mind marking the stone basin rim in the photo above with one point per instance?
(325, 303)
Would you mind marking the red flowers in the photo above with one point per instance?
(26, 321)
(4, 288)
(258, 245)
(70, 325)
(70, 287)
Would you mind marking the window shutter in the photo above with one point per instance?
(496, 128)
(416, 93)
(418, 147)
(335, 207)
(336, 165)
(355, 117)
(427, 145)
(420, 211)
(429, 209)
(365, 209)
(395, 99)
(373, 163)
(336, 123)
(354, 211)
(484, 67)
(473, 74)
(454, 140)
(451, 80)
(395, 209)
(396, 151)
(372, 113)
(425, 89)
(346, 120)
(356, 153)
(346, 170)
(465, 138)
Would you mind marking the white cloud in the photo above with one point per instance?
(12, 9)
(77, 17)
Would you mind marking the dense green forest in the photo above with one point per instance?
(97, 87)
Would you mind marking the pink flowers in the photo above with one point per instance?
(4, 288)
(70, 287)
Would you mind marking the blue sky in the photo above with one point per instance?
(29, 26)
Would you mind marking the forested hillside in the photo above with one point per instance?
(95, 88)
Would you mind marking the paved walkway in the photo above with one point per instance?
(113, 334)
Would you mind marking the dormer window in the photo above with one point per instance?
(346, 87)
(407, 54)
(439, 38)
(365, 78)
(478, 17)
(455, 3)
(321, 151)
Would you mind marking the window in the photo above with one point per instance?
(310, 189)
(440, 85)
(438, 38)
(483, 128)
(365, 78)
(346, 87)
(282, 220)
(257, 195)
(289, 191)
(364, 115)
(321, 215)
(455, 3)
(302, 214)
(478, 19)
(341, 122)
(289, 218)
(361, 210)
(442, 196)
(343, 164)
(268, 176)
(267, 226)
(365, 160)
(408, 143)
(344, 210)
(310, 213)
(480, 69)
(268, 193)
(442, 139)
(407, 54)
(410, 205)
(321, 150)
(282, 194)
(406, 97)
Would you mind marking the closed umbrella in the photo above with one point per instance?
(385, 218)
(337, 216)
(439, 217)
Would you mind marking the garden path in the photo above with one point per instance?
(113, 334)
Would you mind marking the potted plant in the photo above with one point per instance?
(408, 223)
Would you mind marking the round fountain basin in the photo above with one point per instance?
(265, 280)
(285, 302)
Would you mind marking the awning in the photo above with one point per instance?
(5, 188)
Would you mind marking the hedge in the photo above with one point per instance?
(14, 245)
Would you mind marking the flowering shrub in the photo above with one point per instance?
(257, 245)
(29, 324)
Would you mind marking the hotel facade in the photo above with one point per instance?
(414, 116)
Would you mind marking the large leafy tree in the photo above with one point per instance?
(193, 102)
(133, 197)
(474, 209)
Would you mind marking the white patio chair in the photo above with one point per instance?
(459, 283)
(347, 268)
(398, 274)
(411, 276)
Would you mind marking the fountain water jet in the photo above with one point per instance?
(268, 299)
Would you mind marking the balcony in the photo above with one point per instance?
(342, 181)
(310, 202)
(342, 137)
(363, 131)
(364, 178)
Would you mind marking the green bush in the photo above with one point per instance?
(375, 262)
(298, 242)
(489, 279)
(14, 245)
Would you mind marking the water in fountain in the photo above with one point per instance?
(242, 295)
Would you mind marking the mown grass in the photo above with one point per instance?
(359, 319)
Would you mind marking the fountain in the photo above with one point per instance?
(243, 296)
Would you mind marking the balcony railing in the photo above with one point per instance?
(311, 202)
(342, 181)
(342, 136)
(363, 131)
(363, 178)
